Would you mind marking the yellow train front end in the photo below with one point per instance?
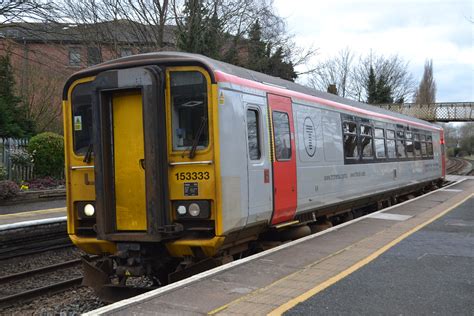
(142, 166)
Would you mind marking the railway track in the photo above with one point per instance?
(12, 285)
(457, 166)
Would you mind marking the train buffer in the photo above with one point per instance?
(412, 258)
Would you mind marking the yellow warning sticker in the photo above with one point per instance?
(221, 98)
(78, 123)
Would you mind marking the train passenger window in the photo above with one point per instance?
(429, 149)
(82, 118)
(253, 133)
(422, 137)
(189, 109)
(408, 135)
(416, 136)
(424, 151)
(282, 138)
(401, 149)
(391, 150)
(390, 134)
(410, 149)
(350, 140)
(379, 143)
(417, 149)
(366, 141)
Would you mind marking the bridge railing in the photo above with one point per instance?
(435, 112)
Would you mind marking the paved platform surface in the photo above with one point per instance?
(277, 280)
(429, 273)
(11, 214)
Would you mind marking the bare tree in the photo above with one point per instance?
(426, 92)
(335, 71)
(18, 11)
(393, 70)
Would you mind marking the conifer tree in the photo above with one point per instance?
(13, 118)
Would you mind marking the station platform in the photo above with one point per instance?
(412, 258)
(24, 214)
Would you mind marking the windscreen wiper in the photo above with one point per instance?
(88, 155)
(192, 152)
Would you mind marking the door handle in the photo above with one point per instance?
(142, 163)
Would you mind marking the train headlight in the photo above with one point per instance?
(89, 210)
(194, 209)
(181, 209)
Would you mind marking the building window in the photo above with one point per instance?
(350, 140)
(124, 52)
(253, 134)
(94, 56)
(282, 138)
(75, 56)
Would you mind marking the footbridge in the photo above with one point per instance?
(435, 112)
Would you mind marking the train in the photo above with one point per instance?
(176, 162)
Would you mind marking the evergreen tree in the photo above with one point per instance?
(13, 116)
(277, 66)
(384, 92)
(371, 87)
(426, 92)
(190, 35)
(257, 49)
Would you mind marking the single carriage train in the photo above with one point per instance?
(175, 160)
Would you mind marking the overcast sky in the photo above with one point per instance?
(414, 29)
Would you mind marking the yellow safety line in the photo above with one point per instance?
(33, 213)
(342, 274)
(303, 297)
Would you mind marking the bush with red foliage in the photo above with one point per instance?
(8, 189)
(44, 183)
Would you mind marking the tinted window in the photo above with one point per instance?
(410, 149)
(350, 140)
(281, 127)
(379, 147)
(401, 149)
(417, 149)
(390, 134)
(391, 150)
(189, 109)
(429, 149)
(424, 152)
(82, 118)
(253, 135)
(400, 134)
(366, 141)
(378, 132)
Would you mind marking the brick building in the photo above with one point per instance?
(43, 55)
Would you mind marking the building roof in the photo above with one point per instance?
(120, 31)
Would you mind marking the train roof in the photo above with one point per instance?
(215, 65)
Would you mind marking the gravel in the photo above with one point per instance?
(73, 301)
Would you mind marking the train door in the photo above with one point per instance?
(259, 186)
(284, 159)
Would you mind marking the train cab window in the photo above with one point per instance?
(253, 134)
(350, 140)
(391, 147)
(282, 138)
(82, 118)
(189, 115)
(366, 141)
(379, 143)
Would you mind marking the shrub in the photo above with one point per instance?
(3, 173)
(8, 189)
(20, 157)
(44, 183)
(47, 150)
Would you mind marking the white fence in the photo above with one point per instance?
(14, 159)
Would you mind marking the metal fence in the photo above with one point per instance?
(14, 159)
(436, 112)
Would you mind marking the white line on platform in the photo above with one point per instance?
(173, 286)
(33, 223)
(451, 190)
(390, 216)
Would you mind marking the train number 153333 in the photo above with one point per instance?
(192, 175)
